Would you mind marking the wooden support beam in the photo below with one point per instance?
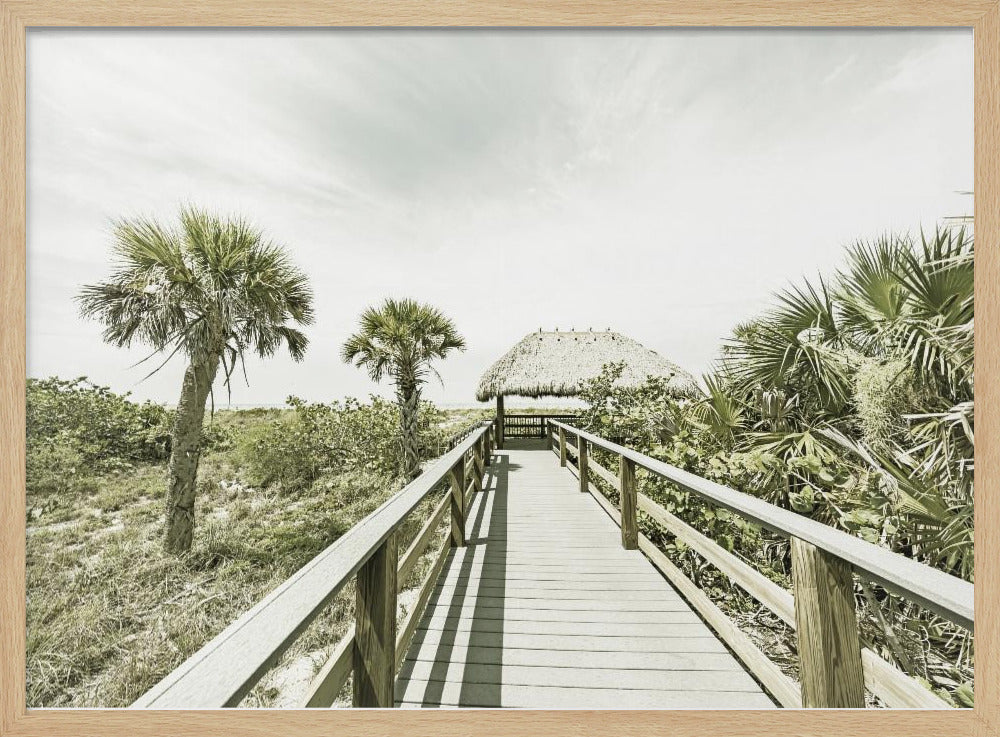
(416, 612)
(548, 436)
(562, 447)
(826, 621)
(499, 422)
(332, 676)
(488, 444)
(375, 629)
(630, 523)
(419, 545)
(582, 463)
(457, 477)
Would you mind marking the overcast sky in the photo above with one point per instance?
(660, 183)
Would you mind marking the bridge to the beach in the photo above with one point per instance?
(544, 590)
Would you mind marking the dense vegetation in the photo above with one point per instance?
(849, 401)
(109, 611)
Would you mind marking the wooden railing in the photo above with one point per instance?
(834, 669)
(222, 672)
(531, 426)
(458, 436)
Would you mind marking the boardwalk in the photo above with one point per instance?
(544, 608)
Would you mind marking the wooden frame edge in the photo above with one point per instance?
(987, 383)
(465, 13)
(16, 15)
(13, 328)
(499, 723)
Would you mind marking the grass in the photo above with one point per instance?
(110, 614)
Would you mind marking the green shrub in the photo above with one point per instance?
(295, 450)
(106, 430)
(884, 391)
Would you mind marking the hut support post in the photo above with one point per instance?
(499, 421)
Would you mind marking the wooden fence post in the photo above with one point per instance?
(562, 447)
(457, 477)
(375, 629)
(548, 436)
(630, 524)
(488, 444)
(477, 464)
(581, 458)
(827, 625)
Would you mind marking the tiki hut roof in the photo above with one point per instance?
(555, 364)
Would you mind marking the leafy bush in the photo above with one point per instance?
(296, 449)
(76, 427)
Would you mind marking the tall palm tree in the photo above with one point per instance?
(399, 340)
(211, 289)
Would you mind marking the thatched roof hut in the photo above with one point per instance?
(556, 364)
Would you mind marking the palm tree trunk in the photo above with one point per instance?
(185, 453)
(409, 408)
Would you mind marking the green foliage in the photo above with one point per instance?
(211, 288)
(849, 402)
(110, 613)
(316, 439)
(400, 339)
(884, 392)
(74, 426)
(642, 415)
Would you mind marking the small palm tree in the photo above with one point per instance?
(211, 290)
(399, 340)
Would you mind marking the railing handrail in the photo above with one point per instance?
(224, 670)
(948, 596)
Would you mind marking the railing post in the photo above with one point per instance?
(581, 458)
(827, 625)
(562, 447)
(548, 435)
(375, 629)
(477, 464)
(488, 444)
(457, 477)
(630, 524)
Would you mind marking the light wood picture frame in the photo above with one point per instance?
(18, 16)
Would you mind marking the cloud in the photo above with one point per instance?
(660, 182)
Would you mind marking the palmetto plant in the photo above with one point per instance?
(897, 298)
(399, 340)
(212, 290)
(721, 414)
(904, 307)
(794, 348)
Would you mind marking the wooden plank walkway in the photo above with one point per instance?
(545, 609)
